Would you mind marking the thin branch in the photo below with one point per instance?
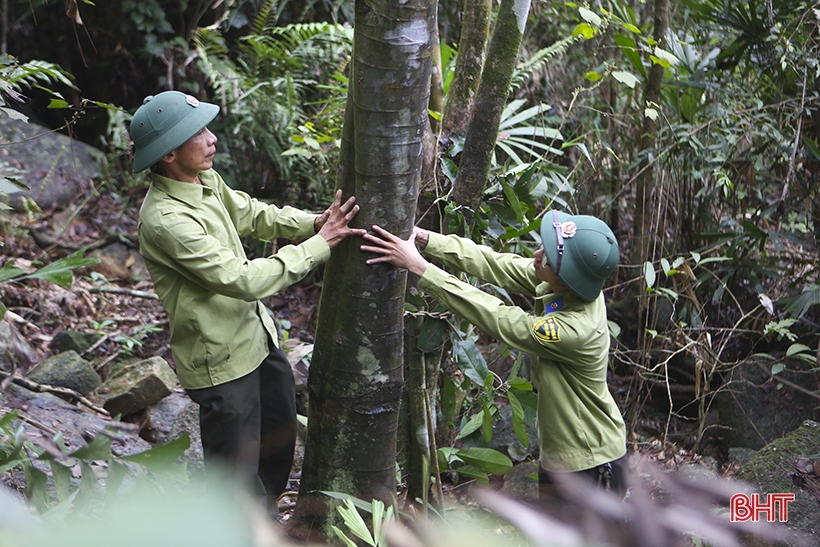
(120, 290)
(44, 388)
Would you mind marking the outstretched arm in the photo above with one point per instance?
(333, 223)
(394, 250)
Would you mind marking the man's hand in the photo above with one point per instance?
(333, 224)
(396, 251)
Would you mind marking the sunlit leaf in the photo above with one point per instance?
(590, 16)
(649, 274)
(593, 76)
(626, 78)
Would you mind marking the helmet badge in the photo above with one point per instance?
(191, 100)
(568, 229)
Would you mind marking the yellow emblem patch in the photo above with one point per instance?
(547, 329)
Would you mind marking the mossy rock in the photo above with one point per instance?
(768, 471)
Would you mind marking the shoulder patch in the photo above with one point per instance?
(547, 329)
(555, 305)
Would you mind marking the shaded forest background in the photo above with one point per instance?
(690, 128)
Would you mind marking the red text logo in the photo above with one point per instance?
(774, 507)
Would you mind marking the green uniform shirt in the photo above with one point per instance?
(579, 424)
(190, 238)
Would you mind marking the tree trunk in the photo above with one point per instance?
(646, 184)
(356, 376)
(472, 44)
(493, 90)
(647, 180)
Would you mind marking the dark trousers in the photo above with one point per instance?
(248, 425)
(611, 476)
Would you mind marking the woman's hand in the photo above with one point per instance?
(394, 250)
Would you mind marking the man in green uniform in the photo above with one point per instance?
(580, 427)
(224, 343)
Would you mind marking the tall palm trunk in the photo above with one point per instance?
(356, 378)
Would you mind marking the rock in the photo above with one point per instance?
(14, 349)
(136, 386)
(73, 340)
(55, 167)
(118, 262)
(771, 470)
(74, 422)
(66, 369)
(188, 422)
(160, 418)
(522, 483)
(757, 409)
(740, 456)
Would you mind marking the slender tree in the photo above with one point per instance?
(646, 180)
(472, 46)
(493, 90)
(356, 372)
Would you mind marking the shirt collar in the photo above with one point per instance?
(186, 192)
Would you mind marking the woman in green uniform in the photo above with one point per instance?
(580, 427)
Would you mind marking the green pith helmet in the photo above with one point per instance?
(581, 250)
(164, 122)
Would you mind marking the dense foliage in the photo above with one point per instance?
(733, 213)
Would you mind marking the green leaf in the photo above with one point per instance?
(631, 28)
(649, 274)
(163, 457)
(665, 266)
(777, 368)
(590, 16)
(431, 334)
(10, 185)
(663, 58)
(651, 113)
(472, 425)
(98, 449)
(59, 271)
(796, 348)
(9, 272)
(629, 48)
(354, 521)
(584, 30)
(614, 329)
(62, 479)
(13, 114)
(474, 472)
(3, 311)
(341, 535)
(470, 360)
(518, 419)
(58, 103)
(487, 423)
(487, 459)
(593, 76)
(447, 455)
(36, 492)
(626, 78)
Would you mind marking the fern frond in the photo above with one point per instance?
(266, 18)
(539, 60)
